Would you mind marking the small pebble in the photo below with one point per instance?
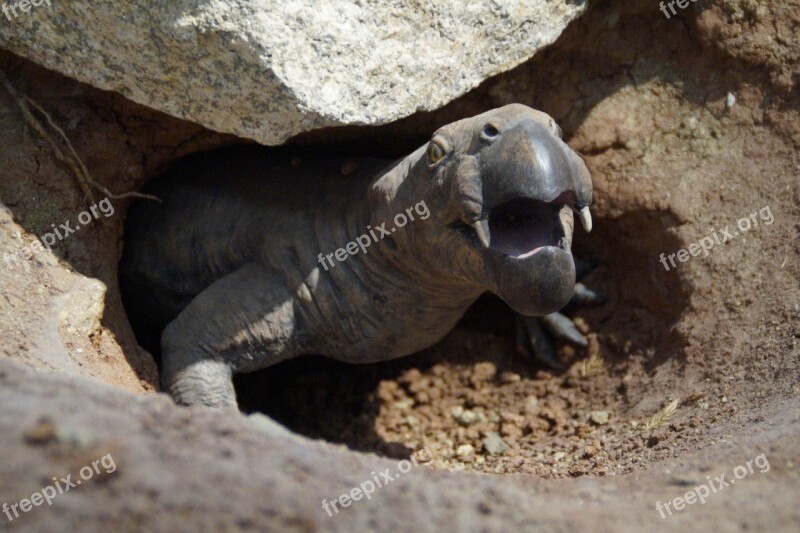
(465, 451)
(509, 377)
(599, 417)
(494, 444)
(531, 402)
(465, 417)
(581, 324)
(404, 404)
(730, 100)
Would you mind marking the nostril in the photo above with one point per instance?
(490, 131)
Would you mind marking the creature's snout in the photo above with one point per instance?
(527, 161)
(519, 196)
(524, 187)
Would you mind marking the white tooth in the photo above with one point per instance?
(586, 219)
(482, 229)
(568, 225)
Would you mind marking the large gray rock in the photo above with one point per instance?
(166, 468)
(268, 69)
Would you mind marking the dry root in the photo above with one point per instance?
(72, 160)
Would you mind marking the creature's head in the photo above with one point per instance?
(501, 188)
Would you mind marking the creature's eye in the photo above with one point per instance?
(435, 152)
(490, 131)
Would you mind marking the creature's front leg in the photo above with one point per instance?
(241, 323)
(532, 332)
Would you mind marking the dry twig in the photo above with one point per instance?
(73, 160)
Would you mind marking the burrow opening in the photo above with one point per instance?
(475, 401)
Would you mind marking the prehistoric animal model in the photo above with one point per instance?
(255, 256)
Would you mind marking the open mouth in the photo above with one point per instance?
(521, 227)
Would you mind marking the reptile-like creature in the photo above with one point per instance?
(247, 261)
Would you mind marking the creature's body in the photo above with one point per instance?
(237, 266)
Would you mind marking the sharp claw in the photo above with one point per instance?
(583, 295)
(532, 333)
(563, 328)
(532, 338)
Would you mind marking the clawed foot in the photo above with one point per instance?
(534, 333)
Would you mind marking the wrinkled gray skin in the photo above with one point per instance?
(228, 265)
